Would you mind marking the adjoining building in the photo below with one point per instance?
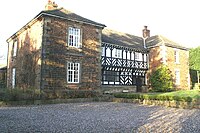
(3, 80)
(59, 49)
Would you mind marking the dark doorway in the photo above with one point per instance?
(139, 84)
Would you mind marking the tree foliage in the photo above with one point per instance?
(194, 63)
(161, 79)
(194, 58)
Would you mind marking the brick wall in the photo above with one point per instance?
(156, 59)
(56, 54)
(183, 66)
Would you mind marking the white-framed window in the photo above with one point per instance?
(137, 56)
(117, 53)
(124, 54)
(176, 56)
(108, 52)
(74, 37)
(163, 54)
(177, 77)
(132, 56)
(128, 55)
(13, 77)
(14, 48)
(73, 72)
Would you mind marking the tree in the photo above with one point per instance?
(194, 63)
(161, 79)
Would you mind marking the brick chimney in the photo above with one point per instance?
(51, 5)
(146, 32)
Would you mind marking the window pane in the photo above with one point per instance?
(73, 72)
(74, 37)
(13, 77)
(15, 48)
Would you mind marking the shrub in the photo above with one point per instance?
(17, 94)
(161, 79)
(70, 94)
(154, 97)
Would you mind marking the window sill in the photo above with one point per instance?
(74, 48)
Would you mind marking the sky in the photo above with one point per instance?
(178, 20)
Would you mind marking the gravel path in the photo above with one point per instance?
(100, 117)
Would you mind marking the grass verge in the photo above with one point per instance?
(183, 95)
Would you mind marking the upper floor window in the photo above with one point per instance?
(137, 56)
(117, 53)
(177, 77)
(74, 38)
(73, 72)
(164, 54)
(14, 48)
(176, 56)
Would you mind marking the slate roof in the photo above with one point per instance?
(159, 40)
(60, 13)
(122, 39)
(65, 14)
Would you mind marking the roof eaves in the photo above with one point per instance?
(52, 15)
(176, 46)
(137, 50)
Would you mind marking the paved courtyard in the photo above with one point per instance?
(100, 117)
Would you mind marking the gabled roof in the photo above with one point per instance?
(160, 40)
(68, 15)
(122, 39)
(60, 13)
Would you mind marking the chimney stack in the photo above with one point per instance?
(146, 32)
(51, 5)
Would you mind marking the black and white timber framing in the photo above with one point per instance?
(123, 66)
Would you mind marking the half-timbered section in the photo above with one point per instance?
(124, 60)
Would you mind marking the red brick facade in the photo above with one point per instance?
(166, 55)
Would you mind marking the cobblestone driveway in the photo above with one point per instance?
(102, 117)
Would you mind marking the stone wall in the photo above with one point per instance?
(56, 54)
(27, 60)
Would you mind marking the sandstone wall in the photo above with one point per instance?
(56, 54)
(27, 60)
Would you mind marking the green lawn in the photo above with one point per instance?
(183, 95)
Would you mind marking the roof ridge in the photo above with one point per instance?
(120, 32)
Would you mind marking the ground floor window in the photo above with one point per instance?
(73, 72)
(110, 77)
(13, 77)
(177, 77)
(123, 78)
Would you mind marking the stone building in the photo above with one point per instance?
(59, 49)
(56, 50)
